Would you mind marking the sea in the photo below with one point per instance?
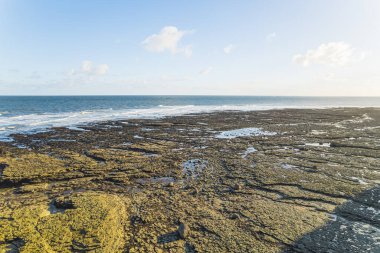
(30, 114)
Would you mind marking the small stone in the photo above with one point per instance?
(195, 191)
(237, 187)
(183, 230)
(171, 184)
(234, 216)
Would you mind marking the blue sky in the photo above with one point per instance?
(69, 47)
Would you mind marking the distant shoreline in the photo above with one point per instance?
(8, 137)
(178, 95)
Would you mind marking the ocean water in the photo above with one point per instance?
(28, 114)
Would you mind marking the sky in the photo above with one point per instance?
(213, 47)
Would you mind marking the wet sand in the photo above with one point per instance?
(294, 180)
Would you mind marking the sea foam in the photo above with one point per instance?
(32, 123)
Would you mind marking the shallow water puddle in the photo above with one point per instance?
(156, 180)
(318, 132)
(54, 210)
(358, 180)
(194, 167)
(244, 132)
(287, 166)
(355, 120)
(61, 140)
(77, 128)
(318, 144)
(332, 217)
(249, 150)
(151, 155)
(21, 146)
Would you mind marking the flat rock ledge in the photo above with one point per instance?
(292, 180)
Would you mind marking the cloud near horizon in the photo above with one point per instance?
(229, 48)
(205, 71)
(330, 54)
(89, 69)
(168, 39)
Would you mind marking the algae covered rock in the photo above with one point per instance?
(30, 167)
(109, 191)
(95, 222)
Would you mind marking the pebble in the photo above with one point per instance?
(237, 187)
(183, 230)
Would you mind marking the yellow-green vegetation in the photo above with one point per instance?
(86, 221)
(31, 166)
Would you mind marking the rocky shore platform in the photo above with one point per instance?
(292, 180)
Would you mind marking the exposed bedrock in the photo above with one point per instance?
(265, 181)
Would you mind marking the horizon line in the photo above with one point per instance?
(178, 95)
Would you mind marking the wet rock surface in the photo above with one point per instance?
(354, 227)
(264, 181)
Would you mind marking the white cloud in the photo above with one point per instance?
(89, 69)
(168, 78)
(102, 69)
(330, 54)
(87, 66)
(229, 48)
(167, 39)
(71, 72)
(187, 50)
(271, 36)
(205, 71)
